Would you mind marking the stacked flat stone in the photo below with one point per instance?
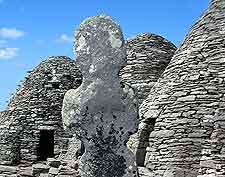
(50, 168)
(187, 106)
(102, 112)
(37, 106)
(147, 57)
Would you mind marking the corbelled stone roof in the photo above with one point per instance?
(38, 87)
(147, 57)
(35, 106)
(187, 106)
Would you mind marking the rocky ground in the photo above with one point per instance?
(50, 168)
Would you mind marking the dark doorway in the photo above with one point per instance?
(46, 145)
(144, 141)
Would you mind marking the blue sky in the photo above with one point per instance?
(31, 30)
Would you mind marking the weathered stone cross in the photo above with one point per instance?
(102, 112)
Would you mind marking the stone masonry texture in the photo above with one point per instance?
(36, 106)
(102, 112)
(135, 47)
(181, 98)
(147, 57)
(186, 107)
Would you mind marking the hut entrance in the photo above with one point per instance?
(46, 145)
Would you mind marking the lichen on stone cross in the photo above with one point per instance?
(102, 112)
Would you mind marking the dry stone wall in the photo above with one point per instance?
(51, 168)
(75, 149)
(186, 106)
(36, 107)
(182, 124)
(147, 57)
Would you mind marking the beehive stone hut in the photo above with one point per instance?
(147, 57)
(186, 108)
(31, 126)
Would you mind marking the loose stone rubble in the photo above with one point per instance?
(51, 168)
(102, 112)
(36, 107)
(186, 107)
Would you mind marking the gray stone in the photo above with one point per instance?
(102, 112)
(147, 57)
(44, 175)
(187, 98)
(144, 172)
(186, 121)
(27, 171)
(35, 108)
(39, 168)
(75, 149)
(53, 162)
(53, 171)
(74, 164)
(11, 169)
(162, 133)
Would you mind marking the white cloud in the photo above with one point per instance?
(10, 33)
(2, 43)
(64, 38)
(8, 53)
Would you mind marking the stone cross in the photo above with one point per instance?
(102, 112)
